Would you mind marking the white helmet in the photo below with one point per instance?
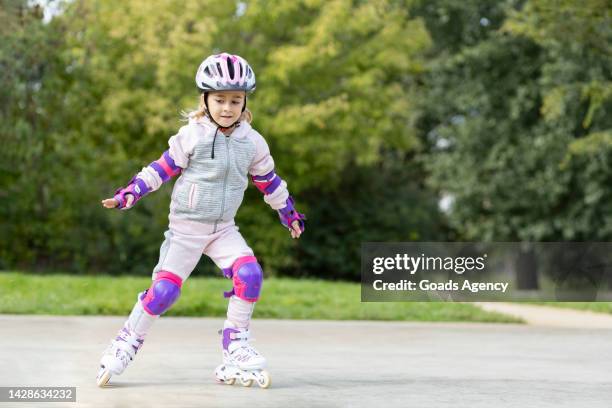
(225, 72)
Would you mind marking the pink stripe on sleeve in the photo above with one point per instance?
(164, 165)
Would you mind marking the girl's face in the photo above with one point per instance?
(226, 107)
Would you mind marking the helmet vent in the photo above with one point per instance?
(219, 68)
(230, 67)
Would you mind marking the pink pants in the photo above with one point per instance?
(186, 241)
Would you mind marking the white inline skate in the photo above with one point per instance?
(240, 360)
(118, 355)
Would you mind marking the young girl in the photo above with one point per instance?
(214, 153)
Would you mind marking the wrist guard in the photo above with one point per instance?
(136, 187)
(288, 214)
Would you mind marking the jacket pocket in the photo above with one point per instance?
(191, 199)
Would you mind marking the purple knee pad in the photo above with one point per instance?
(247, 277)
(164, 291)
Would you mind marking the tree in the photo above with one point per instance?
(337, 82)
(519, 129)
(517, 123)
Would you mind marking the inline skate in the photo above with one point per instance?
(240, 360)
(118, 355)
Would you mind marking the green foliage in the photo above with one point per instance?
(395, 210)
(373, 111)
(336, 103)
(340, 92)
(518, 124)
(104, 83)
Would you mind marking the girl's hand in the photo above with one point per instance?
(112, 203)
(295, 229)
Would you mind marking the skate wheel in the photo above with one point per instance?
(229, 381)
(246, 383)
(223, 376)
(263, 379)
(103, 377)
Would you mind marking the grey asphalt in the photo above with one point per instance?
(318, 364)
(549, 316)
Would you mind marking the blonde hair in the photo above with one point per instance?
(203, 112)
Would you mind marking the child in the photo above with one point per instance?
(214, 153)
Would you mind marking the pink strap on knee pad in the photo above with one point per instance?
(241, 261)
(177, 280)
(231, 271)
(164, 291)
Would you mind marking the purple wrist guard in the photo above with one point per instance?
(288, 214)
(165, 168)
(136, 187)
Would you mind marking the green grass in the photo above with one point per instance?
(281, 299)
(600, 307)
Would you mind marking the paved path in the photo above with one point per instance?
(550, 316)
(319, 364)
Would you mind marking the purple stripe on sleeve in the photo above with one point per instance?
(160, 170)
(265, 177)
(273, 185)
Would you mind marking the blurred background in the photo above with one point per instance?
(435, 120)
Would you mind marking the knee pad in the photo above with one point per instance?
(247, 277)
(164, 291)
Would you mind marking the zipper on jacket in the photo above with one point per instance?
(227, 165)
